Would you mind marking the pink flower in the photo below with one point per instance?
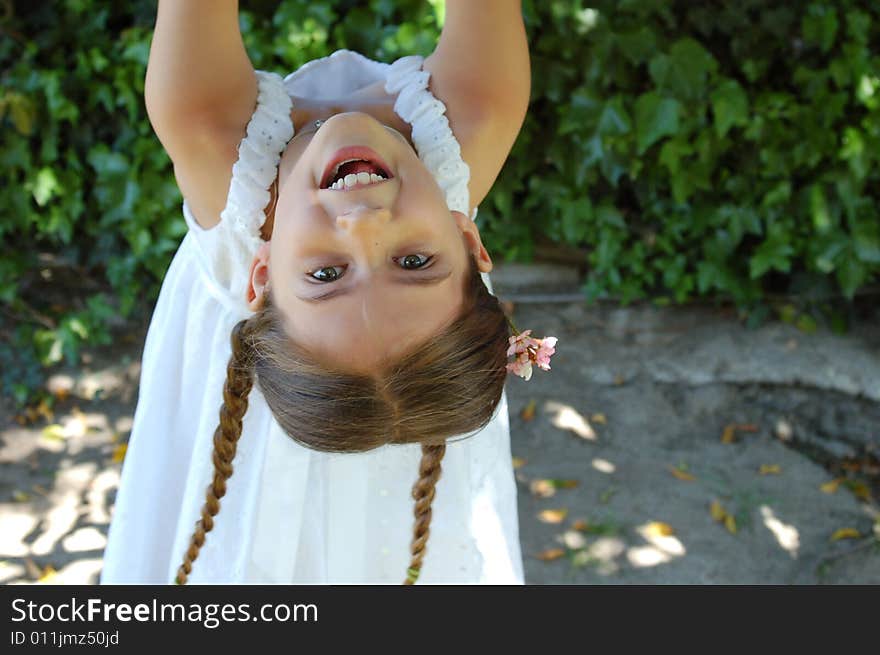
(521, 367)
(530, 351)
(520, 343)
(545, 350)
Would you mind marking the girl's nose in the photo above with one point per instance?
(361, 220)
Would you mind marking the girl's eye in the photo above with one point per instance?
(410, 262)
(333, 276)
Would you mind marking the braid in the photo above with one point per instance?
(239, 380)
(423, 493)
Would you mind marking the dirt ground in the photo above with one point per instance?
(666, 446)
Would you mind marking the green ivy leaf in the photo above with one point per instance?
(45, 186)
(819, 25)
(774, 253)
(819, 209)
(866, 241)
(851, 274)
(637, 45)
(614, 119)
(685, 71)
(21, 111)
(828, 255)
(730, 106)
(656, 117)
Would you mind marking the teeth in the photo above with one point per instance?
(360, 179)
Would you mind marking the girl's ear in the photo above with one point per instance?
(475, 244)
(258, 284)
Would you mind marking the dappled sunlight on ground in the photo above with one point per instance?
(663, 546)
(59, 473)
(603, 465)
(568, 418)
(787, 535)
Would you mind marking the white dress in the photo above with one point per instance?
(292, 515)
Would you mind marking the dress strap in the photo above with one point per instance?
(229, 247)
(259, 153)
(435, 143)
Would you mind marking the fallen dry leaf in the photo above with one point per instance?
(599, 418)
(860, 489)
(831, 486)
(845, 533)
(580, 525)
(552, 515)
(45, 411)
(619, 379)
(659, 529)
(728, 435)
(550, 554)
(47, 574)
(720, 514)
(528, 412)
(542, 488)
(518, 462)
(681, 475)
(546, 487)
(769, 469)
(119, 453)
(730, 524)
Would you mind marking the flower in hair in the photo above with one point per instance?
(529, 351)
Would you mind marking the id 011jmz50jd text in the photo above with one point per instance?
(61, 639)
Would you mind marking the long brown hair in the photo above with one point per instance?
(445, 387)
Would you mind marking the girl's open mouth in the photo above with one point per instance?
(354, 166)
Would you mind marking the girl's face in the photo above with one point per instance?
(391, 253)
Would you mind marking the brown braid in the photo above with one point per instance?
(423, 493)
(239, 380)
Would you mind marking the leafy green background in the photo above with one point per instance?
(725, 150)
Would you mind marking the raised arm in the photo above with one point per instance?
(481, 71)
(200, 91)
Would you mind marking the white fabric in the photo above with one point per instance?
(290, 514)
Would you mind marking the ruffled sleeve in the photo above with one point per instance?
(437, 146)
(227, 249)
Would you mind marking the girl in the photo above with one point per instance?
(331, 232)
